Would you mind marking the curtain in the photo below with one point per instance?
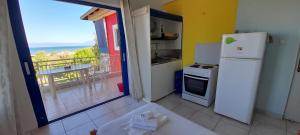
(7, 114)
(134, 75)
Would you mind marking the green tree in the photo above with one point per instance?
(40, 56)
(84, 53)
(96, 48)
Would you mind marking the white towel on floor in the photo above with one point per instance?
(147, 115)
(148, 124)
(137, 122)
(143, 116)
(137, 131)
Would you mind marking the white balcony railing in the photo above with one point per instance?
(111, 63)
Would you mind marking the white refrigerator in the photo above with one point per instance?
(239, 72)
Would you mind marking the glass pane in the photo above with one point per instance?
(72, 49)
(195, 86)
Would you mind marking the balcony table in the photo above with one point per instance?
(82, 68)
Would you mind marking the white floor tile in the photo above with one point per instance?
(27, 133)
(223, 128)
(127, 100)
(293, 127)
(260, 128)
(193, 105)
(267, 120)
(207, 120)
(170, 102)
(126, 107)
(98, 111)
(185, 111)
(83, 129)
(104, 119)
(117, 104)
(55, 128)
(83, 123)
(123, 110)
(75, 121)
(236, 123)
(209, 110)
(139, 104)
(78, 97)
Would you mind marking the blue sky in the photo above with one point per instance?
(48, 21)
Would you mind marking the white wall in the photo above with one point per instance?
(25, 116)
(281, 19)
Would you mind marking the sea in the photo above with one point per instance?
(34, 50)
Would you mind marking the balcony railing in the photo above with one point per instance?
(110, 62)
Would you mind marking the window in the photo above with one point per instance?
(116, 35)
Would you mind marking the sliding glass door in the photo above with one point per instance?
(73, 55)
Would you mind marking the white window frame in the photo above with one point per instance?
(115, 28)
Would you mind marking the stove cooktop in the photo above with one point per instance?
(203, 66)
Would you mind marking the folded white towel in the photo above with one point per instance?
(143, 116)
(147, 115)
(137, 131)
(137, 122)
(148, 124)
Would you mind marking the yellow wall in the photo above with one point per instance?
(204, 21)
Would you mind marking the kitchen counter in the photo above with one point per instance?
(163, 61)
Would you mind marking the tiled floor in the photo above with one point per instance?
(262, 124)
(82, 123)
(79, 97)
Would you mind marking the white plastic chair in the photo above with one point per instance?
(101, 71)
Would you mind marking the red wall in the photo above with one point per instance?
(114, 54)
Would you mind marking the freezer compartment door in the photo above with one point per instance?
(246, 45)
(237, 88)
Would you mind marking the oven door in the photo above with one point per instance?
(195, 85)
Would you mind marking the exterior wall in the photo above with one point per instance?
(114, 54)
(101, 37)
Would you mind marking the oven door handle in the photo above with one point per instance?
(198, 78)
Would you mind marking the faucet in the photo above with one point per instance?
(155, 51)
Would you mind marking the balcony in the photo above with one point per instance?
(72, 93)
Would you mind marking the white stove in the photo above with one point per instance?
(199, 83)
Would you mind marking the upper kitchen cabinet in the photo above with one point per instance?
(165, 30)
(159, 42)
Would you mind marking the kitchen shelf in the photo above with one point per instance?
(164, 38)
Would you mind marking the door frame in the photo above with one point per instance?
(292, 83)
(27, 65)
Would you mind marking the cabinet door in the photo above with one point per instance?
(237, 83)
(162, 79)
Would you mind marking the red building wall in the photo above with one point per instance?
(113, 53)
